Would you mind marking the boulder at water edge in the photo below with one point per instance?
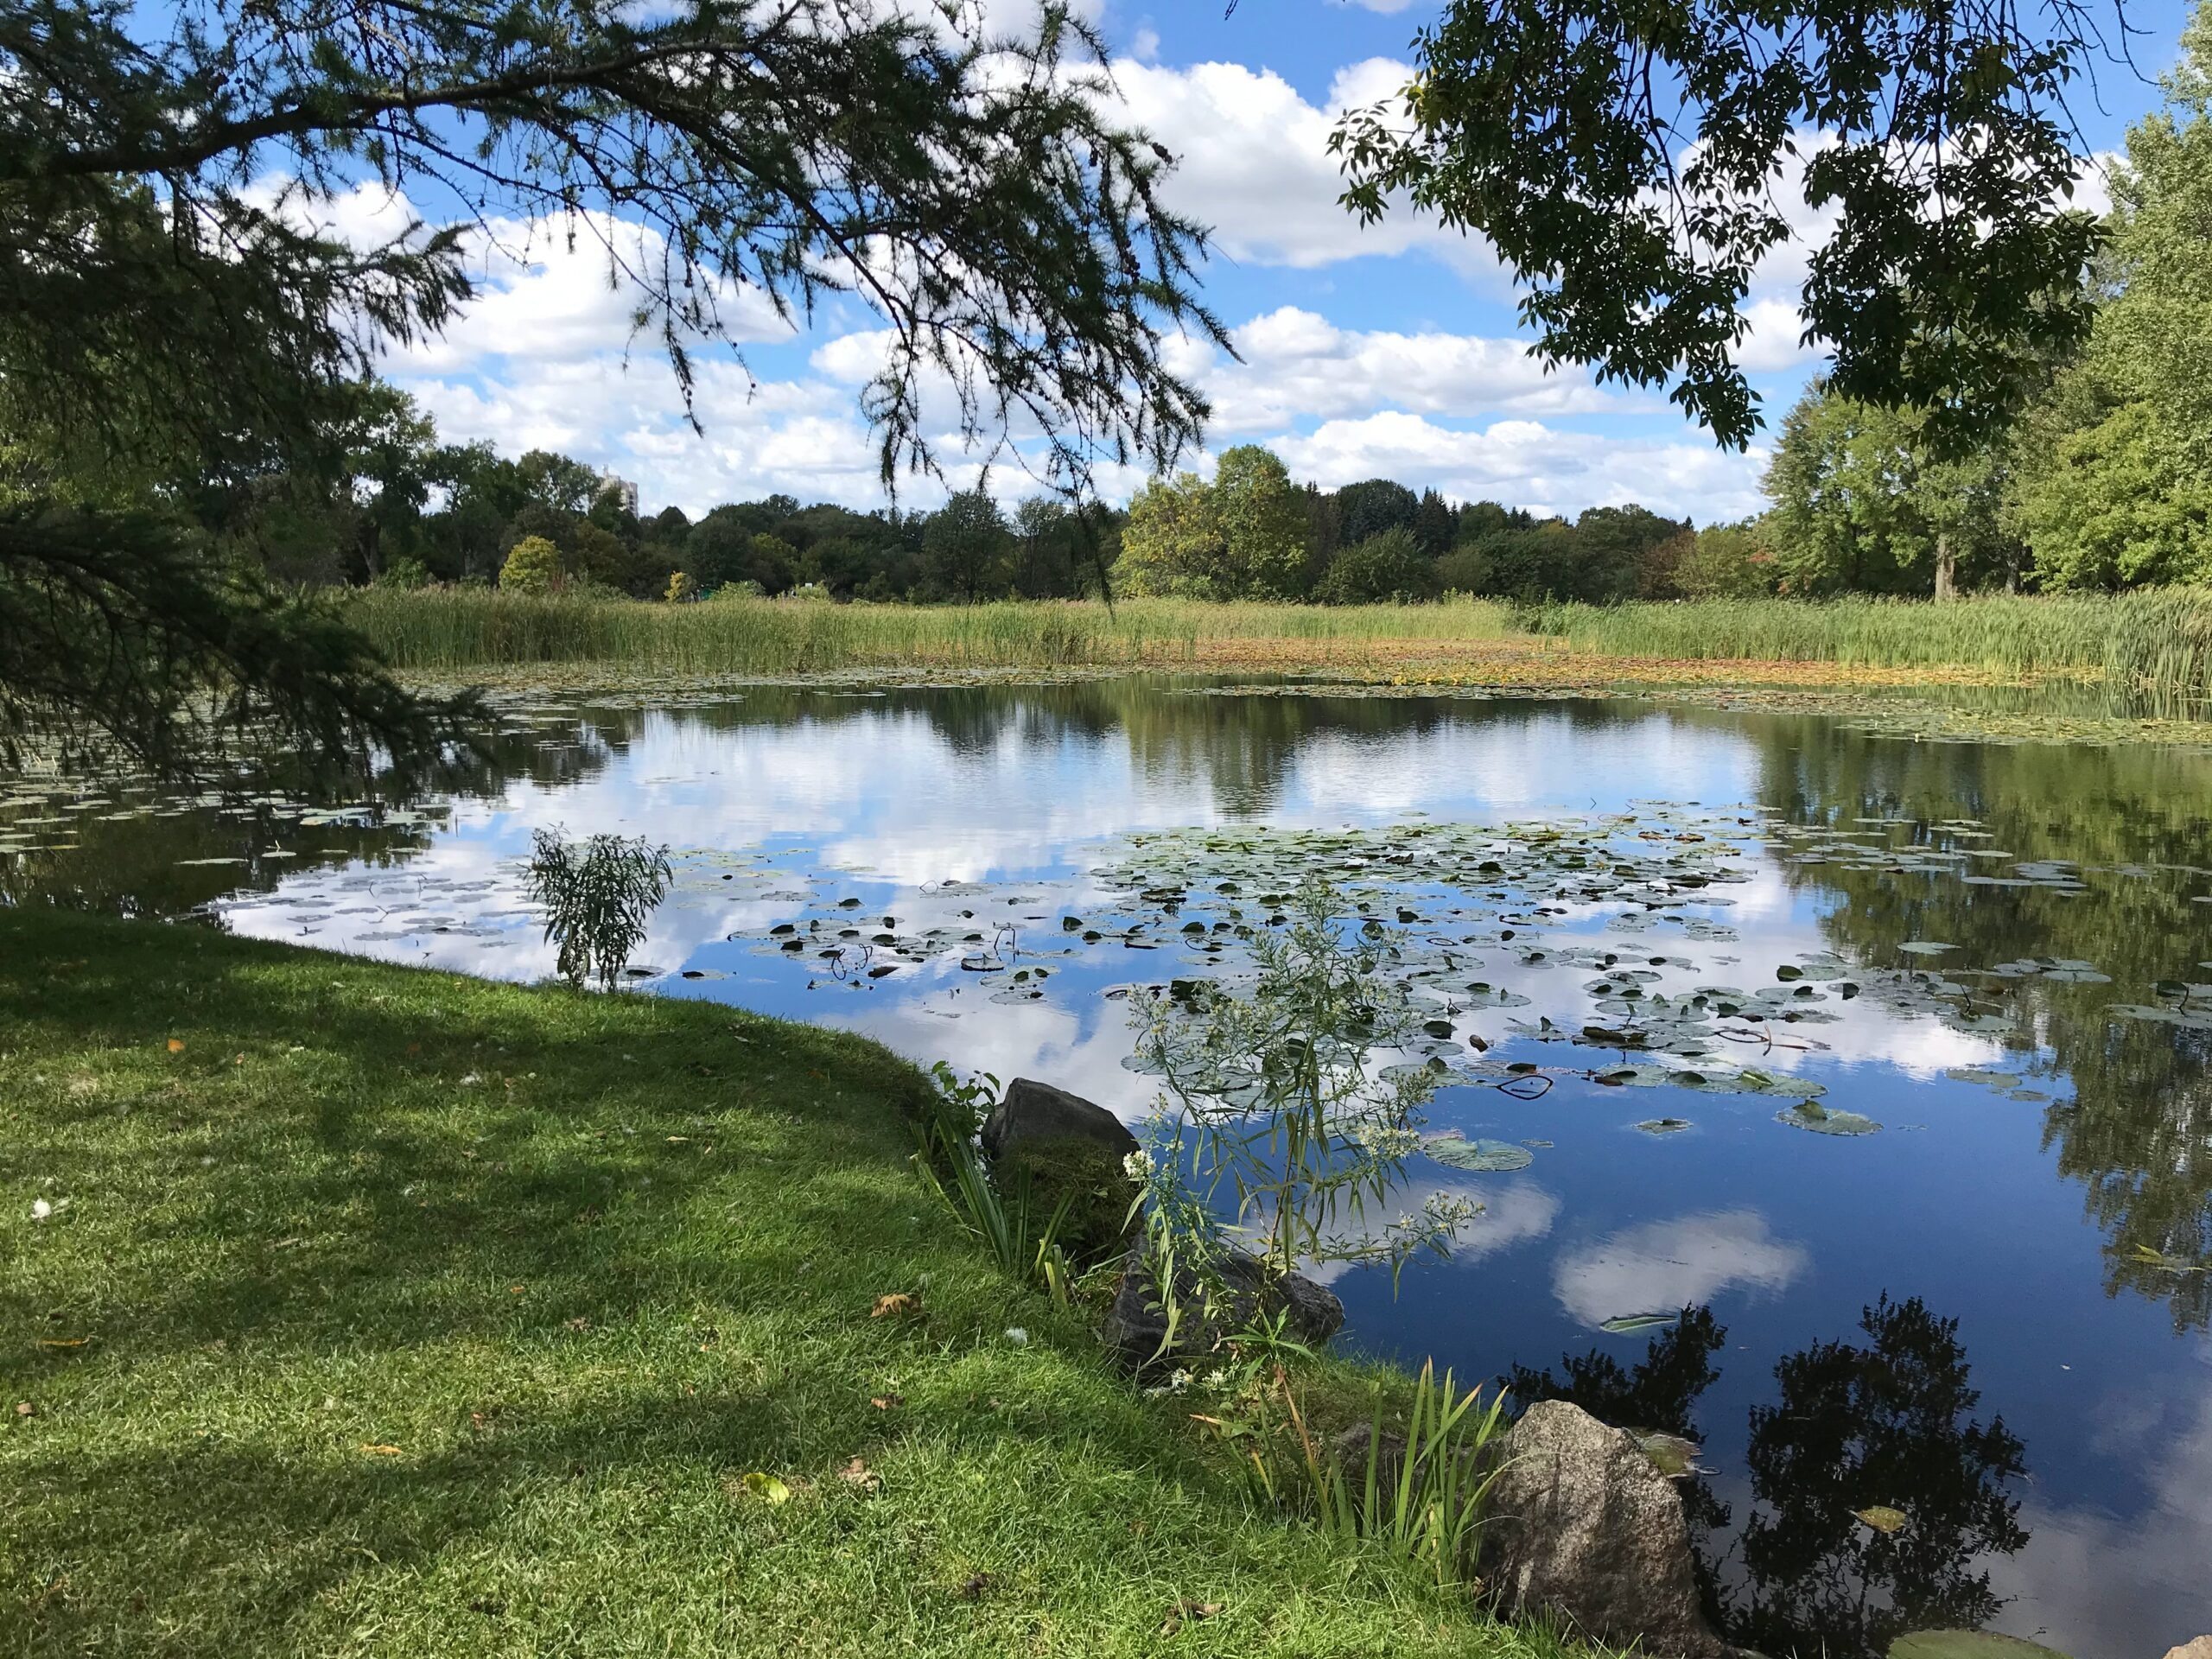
(1033, 1111)
(1060, 1152)
(1136, 1326)
(1585, 1526)
(2200, 1648)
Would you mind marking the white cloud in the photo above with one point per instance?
(1253, 163)
(1666, 1265)
(1299, 366)
(2092, 1582)
(1527, 464)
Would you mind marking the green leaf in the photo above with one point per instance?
(1809, 1115)
(1480, 1157)
(1967, 1644)
(1623, 1323)
(767, 1488)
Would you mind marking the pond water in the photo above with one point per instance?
(1986, 1309)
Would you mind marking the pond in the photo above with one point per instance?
(1847, 1096)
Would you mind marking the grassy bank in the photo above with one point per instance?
(457, 629)
(386, 1312)
(2157, 645)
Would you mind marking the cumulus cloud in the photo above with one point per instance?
(1252, 161)
(1527, 464)
(2092, 1580)
(1297, 364)
(1666, 1265)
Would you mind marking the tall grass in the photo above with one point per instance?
(2156, 644)
(2157, 640)
(467, 628)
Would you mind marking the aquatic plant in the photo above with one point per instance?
(597, 895)
(1287, 1116)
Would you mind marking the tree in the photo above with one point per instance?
(974, 188)
(1372, 507)
(1262, 524)
(1242, 535)
(533, 566)
(1388, 567)
(1727, 562)
(1171, 545)
(1435, 525)
(1621, 162)
(2114, 504)
(1864, 500)
(1615, 552)
(557, 482)
(2110, 486)
(966, 549)
(1530, 564)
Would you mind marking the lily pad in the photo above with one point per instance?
(1479, 1157)
(1811, 1115)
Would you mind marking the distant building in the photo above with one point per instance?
(621, 489)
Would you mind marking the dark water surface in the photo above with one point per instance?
(1989, 1314)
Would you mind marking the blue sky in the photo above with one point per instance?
(1392, 352)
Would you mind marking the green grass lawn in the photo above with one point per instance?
(389, 1311)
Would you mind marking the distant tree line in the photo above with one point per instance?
(412, 511)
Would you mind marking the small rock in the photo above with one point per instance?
(1136, 1325)
(1585, 1527)
(1037, 1112)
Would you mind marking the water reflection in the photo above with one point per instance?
(2138, 1132)
(1883, 1428)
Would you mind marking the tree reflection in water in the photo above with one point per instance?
(1856, 1427)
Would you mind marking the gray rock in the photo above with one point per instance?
(1137, 1322)
(2200, 1648)
(1032, 1112)
(1584, 1525)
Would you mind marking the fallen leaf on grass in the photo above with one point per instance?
(887, 1402)
(60, 1342)
(177, 1044)
(896, 1302)
(24, 1409)
(382, 1450)
(766, 1488)
(861, 1478)
(974, 1589)
(1191, 1612)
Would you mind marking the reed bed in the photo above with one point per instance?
(445, 629)
(2154, 646)
(2157, 642)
